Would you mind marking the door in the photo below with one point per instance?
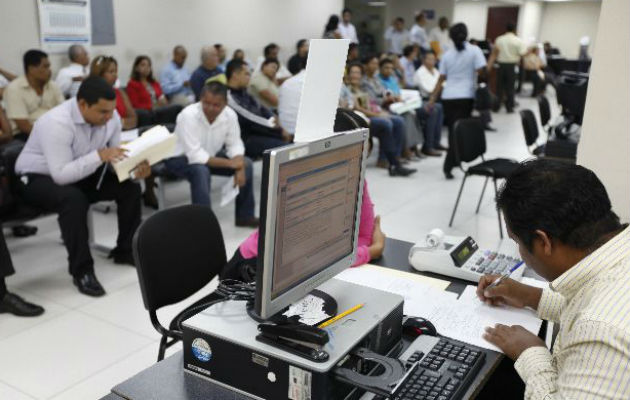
(498, 17)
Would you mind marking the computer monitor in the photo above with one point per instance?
(310, 210)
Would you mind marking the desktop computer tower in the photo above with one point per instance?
(220, 346)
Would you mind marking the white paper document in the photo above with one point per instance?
(310, 309)
(128, 136)
(321, 89)
(153, 146)
(229, 191)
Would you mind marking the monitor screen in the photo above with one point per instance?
(315, 214)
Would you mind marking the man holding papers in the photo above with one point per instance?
(60, 169)
(561, 218)
(203, 130)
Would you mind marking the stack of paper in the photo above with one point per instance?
(411, 100)
(310, 309)
(153, 146)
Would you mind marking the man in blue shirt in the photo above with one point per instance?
(175, 79)
(209, 68)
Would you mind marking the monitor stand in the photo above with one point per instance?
(330, 307)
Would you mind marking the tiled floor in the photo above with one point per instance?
(81, 346)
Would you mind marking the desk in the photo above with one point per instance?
(167, 379)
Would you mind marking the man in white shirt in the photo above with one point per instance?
(440, 34)
(396, 36)
(271, 51)
(507, 51)
(203, 129)
(345, 28)
(418, 34)
(426, 76)
(289, 101)
(69, 78)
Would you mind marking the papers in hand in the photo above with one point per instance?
(229, 191)
(153, 146)
(411, 100)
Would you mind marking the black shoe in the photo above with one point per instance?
(440, 147)
(449, 175)
(150, 200)
(122, 257)
(88, 284)
(14, 304)
(431, 153)
(24, 230)
(251, 222)
(397, 170)
(490, 129)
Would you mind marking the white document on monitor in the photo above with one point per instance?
(321, 89)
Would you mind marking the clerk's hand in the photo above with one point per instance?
(509, 292)
(112, 154)
(239, 178)
(142, 170)
(512, 340)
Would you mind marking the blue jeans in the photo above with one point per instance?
(390, 132)
(198, 175)
(433, 125)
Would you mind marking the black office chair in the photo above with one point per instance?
(530, 129)
(177, 252)
(545, 112)
(469, 143)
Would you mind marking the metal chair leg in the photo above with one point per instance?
(482, 193)
(498, 211)
(162, 348)
(459, 195)
(161, 193)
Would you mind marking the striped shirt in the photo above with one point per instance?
(591, 355)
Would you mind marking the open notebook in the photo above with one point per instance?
(154, 145)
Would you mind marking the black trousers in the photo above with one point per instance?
(6, 266)
(71, 202)
(454, 110)
(506, 79)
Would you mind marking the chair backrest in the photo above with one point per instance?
(544, 109)
(530, 126)
(177, 252)
(470, 139)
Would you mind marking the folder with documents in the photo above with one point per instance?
(153, 146)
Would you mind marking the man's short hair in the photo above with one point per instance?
(216, 88)
(354, 64)
(33, 58)
(270, 61)
(400, 19)
(566, 201)
(93, 89)
(408, 49)
(510, 27)
(269, 48)
(346, 10)
(420, 16)
(366, 59)
(73, 51)
(300, 43)
(385, 61)
(233, 67)
(218, 46)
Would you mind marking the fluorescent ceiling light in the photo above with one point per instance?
(377, 3)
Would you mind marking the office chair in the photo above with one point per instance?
(469, 143)
(177, 252)
(545, 113)
(530, 129)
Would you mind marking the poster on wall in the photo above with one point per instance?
(63, 23)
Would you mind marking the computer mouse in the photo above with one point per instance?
(415, 326)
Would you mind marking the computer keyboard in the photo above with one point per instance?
(438, 368)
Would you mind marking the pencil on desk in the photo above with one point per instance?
(339, 316)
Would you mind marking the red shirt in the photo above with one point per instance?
(120, 105)
(139, 95)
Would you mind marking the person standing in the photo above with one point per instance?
(297, 62)
(418, 34)
(345, 28)
(440, 35)
(175, 79)
(507, 51)
(396, 36)
(69, 78)
(460, 66)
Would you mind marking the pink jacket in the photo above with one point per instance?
(249, 248)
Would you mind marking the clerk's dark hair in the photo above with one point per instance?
(94, 88)
(566, 201)
(33, 58)
(458, 34)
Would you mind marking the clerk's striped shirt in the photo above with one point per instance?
(591, 355)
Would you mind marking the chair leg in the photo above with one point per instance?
(162, 348)
(459, 195)
(498, 211)
(482, 193)
(161, 193)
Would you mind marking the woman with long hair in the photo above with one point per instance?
(331, 31)
(460, 66)
(107, 68)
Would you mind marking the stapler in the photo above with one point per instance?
(300, 339)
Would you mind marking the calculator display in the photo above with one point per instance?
(462, 253)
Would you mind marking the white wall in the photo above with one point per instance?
(563, 24)
(605, 143)
(409, 8)
(529, 20)
(153, 27)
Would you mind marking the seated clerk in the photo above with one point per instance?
(61, 166)
(203, 130)
(107, 68)
(561, 218)
(390, 136)
(259, 126)
(433, 115)
(263, 84)
(9, 302)
(297, 62)
(31, 95)
(371, 244)
(209, 68)
(146, 96)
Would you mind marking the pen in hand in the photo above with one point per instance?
(504, 276)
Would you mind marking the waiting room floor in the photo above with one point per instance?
(83, 346)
